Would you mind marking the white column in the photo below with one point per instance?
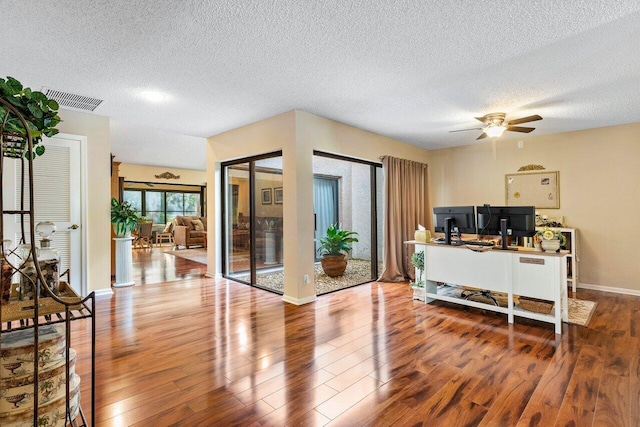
(124, 262)
(270, 247)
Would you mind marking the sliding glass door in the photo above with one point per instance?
(253, 221)
(237, 220)
(348, 192)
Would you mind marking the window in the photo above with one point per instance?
(162, 206)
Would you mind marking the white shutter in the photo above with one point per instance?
(53, 200)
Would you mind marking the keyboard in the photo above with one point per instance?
(478, 243)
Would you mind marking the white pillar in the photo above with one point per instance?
(270, 247)
(124, 262)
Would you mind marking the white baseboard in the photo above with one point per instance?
(216, 276)
(611, 289)
(297, 301)
(101, 292)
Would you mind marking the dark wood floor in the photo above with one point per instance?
(180, 349)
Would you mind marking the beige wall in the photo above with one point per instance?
(297, 134)
(131, 172)
(97, 203)
(599, 181)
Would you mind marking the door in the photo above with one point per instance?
(253, 219)
(58, 181)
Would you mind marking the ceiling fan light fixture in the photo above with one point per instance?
(494, 131)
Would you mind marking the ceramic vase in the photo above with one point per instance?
(550, 245)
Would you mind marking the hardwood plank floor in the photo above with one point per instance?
(179, 349)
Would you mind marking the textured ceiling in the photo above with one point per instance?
(412, 70)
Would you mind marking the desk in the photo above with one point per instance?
(524, 273)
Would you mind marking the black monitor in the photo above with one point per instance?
(516, 221)
(458, 219)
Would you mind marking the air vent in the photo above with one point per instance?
(71, 100)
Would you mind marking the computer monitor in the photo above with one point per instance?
(458, 219)
(516, 221)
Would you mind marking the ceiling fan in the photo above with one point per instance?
(495, 125)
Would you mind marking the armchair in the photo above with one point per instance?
(190, 231)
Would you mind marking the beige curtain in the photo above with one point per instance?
(405, 191)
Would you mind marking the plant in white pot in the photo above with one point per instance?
(333, 248)
(551, 240)
(418, 287)
(123, 217)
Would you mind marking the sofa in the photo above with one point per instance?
(190, 231)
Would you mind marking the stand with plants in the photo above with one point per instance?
(124, 219)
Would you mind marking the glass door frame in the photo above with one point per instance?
(251, 160)
(374, 168)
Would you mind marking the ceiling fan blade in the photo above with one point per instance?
(524, 120)
(483, 119)
(464, 130)
(484, 135)
(519, 129)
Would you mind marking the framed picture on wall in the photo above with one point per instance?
(266, 196)
(277, 195)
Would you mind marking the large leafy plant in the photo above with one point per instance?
(123, 217)
(40, 112)
(336, 241)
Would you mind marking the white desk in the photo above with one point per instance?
(524, 273)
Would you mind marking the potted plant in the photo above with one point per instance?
(418, 287)
(551, 240)
(333, 248)
(123, 217)
(39, 112)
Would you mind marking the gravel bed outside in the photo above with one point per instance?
(358, 271)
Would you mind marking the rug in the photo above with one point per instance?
(198, 255)
(580, 311)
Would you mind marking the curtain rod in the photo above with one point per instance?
(424, 165)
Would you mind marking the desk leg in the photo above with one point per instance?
(563, 291)
(431, 287)
(508, 279)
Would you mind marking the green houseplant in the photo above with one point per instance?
(333, 248)
(417, 260)
(39, 112)
(550, 239)
(418, 287)
(123, 217)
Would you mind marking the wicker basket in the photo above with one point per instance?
(536, 305)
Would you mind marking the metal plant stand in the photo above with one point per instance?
(35, 314)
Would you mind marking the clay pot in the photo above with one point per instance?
(334, 265)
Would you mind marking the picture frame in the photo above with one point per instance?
(540, 189)
(266, 196)
(277, 195)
